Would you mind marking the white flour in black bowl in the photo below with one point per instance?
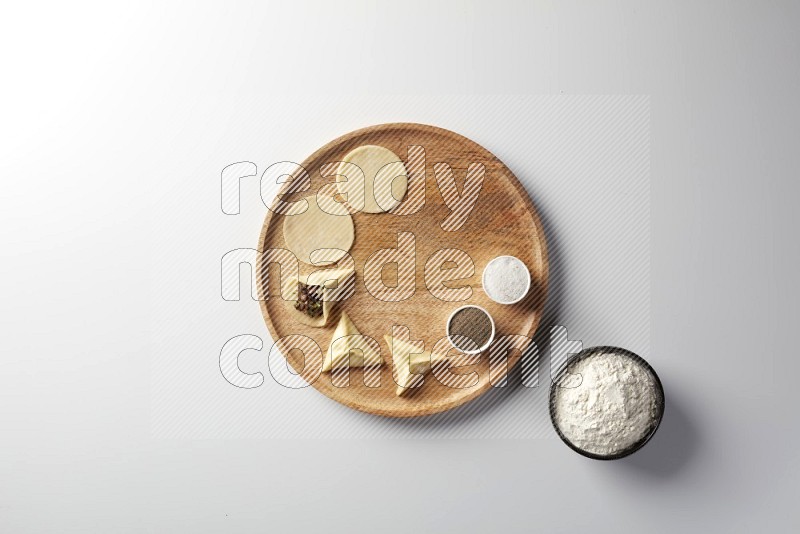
(606, 403)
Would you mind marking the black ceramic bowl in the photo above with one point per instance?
(585, 353)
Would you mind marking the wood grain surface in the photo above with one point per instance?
(503, 222)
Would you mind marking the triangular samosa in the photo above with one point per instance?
(349, 348)
(410, 367)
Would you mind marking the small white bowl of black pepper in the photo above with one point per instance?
(470, 329)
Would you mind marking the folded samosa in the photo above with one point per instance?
(410, 367)
(348, 348)
(314, 299)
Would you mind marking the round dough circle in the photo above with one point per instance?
(385, 179)
(315, 229)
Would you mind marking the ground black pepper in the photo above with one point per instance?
(472, 323)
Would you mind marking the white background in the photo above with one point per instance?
(115, 123)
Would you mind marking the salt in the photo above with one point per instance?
(506, 279)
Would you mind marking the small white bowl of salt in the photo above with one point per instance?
(506, 280)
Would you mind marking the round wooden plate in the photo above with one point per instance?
(503, 222)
